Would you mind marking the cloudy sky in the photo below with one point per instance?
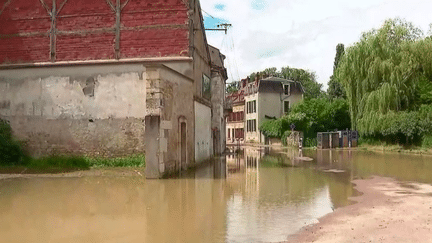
(299, 33)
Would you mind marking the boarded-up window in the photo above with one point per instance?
(206, 87)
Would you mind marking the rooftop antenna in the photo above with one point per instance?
(222, 27)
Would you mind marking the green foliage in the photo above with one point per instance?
(310, 142)
(232, 87)
(274, 128)
(271, 72)
(11, 154)
(10, 150)
(272, 161)
(284, 137)
(131, 161)
(387, 76)
(427, 141)
(81, 162)
(305, 77)
(335, 88)
(310, 116)
(340, 50)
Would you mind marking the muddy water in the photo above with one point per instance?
(259, 196)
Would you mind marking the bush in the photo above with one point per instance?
(427, 141)
(274, 128)
(285, 135)
(310, 116)
(310, 142)
(10, 150)
(11, 154)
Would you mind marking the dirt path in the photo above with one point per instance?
(388, 211)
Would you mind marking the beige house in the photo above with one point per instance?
(268, 98)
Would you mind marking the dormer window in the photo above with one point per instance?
(286, 89)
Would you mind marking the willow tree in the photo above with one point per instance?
(381, 73)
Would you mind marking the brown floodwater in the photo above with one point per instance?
(260, 195)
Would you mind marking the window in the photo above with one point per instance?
(286, 107)
(229, 133)
(287, 89)
(254, 106)
(239, 133)
(251, 106)
(206, 87)
(251, 125)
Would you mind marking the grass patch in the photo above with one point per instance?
(81, 162)
(272, 162)
(376, 145)
(61, 164)
(131, 161)
(11, 153)
(13, 157)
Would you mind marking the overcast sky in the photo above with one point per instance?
(299, 33)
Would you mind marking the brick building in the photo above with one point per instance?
(109, 78)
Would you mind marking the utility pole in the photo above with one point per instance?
(222, 27)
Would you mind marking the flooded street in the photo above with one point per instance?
(261, 195)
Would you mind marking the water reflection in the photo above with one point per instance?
(273, 196)
(252, 195)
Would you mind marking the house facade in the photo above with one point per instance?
(235, 119)
(264, 99)
(111, 78)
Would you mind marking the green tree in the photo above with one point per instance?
(306, 78)
(335, 88)
(271, 72)
(232, 87)
(387, 77)
(310, 116)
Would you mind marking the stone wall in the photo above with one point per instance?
(95, 111)
(218, 122)
(294, 139)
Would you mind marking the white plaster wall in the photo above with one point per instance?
(203, 138)
(115, 96)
